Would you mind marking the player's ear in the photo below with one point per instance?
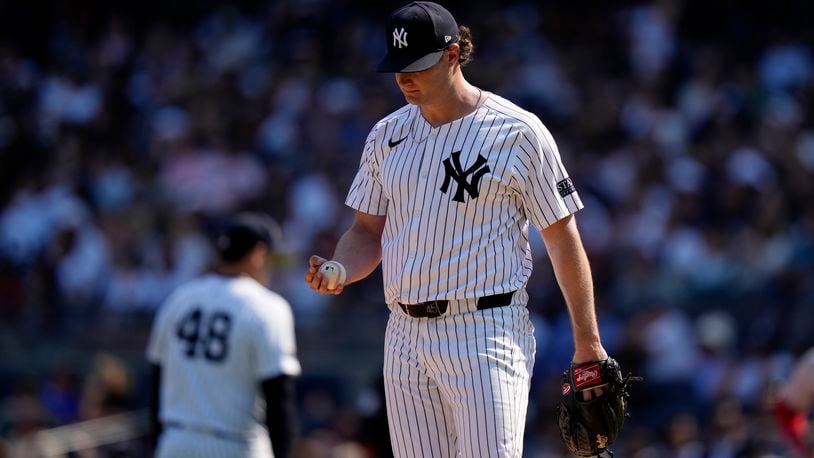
(452, 53)
(259, 256)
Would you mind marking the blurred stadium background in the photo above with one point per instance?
(128, 128)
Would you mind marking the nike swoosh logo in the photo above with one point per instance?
(393, 144)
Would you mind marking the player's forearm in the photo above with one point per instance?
(573, 273)
(574, 277)
(360, 251)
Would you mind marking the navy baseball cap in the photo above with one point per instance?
(242, 233)
(416, 36)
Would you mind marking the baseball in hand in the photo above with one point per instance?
(333, 273)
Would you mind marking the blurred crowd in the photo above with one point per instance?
(126, 133)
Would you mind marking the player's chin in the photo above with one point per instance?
(412, 97)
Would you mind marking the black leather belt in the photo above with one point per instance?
(434, 309)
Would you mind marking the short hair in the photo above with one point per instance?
(241, 233)
(466, 44)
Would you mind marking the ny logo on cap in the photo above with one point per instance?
(400, 38)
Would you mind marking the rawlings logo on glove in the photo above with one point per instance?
(587, 428)
(587, 376)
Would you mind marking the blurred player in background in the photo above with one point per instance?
(794, 402)
(219, 345)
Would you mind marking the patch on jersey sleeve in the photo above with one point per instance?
(566, 187)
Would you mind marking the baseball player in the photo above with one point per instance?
(220, 345)
(444, 195)
(794, 402)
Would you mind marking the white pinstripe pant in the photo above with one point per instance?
(458, 385)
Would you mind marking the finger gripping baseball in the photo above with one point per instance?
(333, 273)
(587, 428)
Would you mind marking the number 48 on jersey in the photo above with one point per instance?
(205, 334)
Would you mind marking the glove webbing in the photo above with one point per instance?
(626, 395)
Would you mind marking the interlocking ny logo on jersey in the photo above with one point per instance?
(454, 171)
(400, 38)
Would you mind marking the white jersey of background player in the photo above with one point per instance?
(444, 196)
(221, 345)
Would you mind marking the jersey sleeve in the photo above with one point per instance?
(539, 176)
(157, 345)
(275, 346)
(366, 192)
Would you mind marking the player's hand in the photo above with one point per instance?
(585, 354)
(314, 278)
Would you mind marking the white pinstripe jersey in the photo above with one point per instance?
(457, 225)
(216, 338)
